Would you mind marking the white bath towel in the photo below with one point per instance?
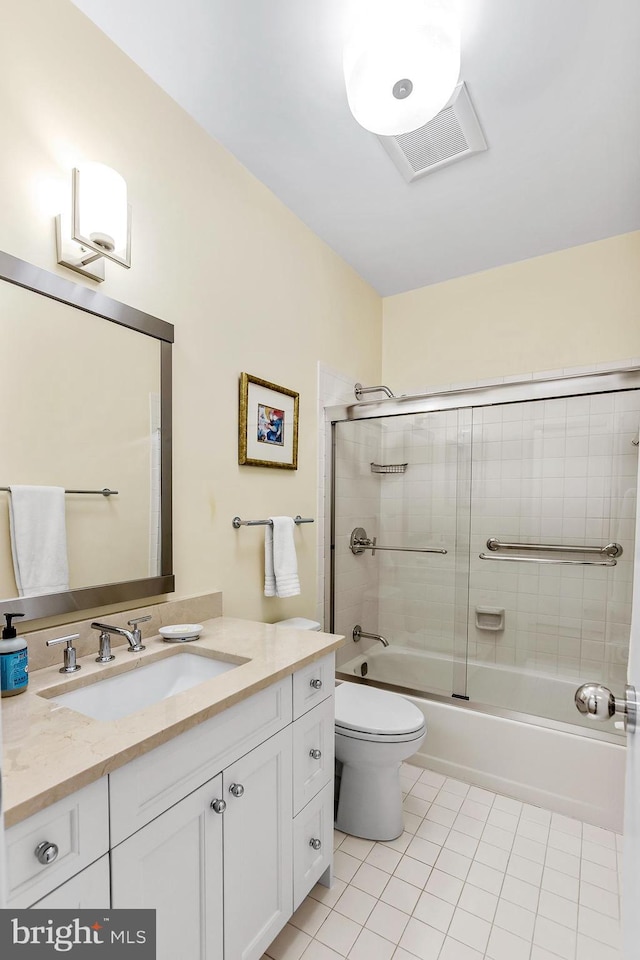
(280, 561)
(38, 539)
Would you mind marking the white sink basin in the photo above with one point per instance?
(120, 696)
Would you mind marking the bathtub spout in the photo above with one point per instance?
(358, 633)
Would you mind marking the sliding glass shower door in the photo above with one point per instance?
(401, 535)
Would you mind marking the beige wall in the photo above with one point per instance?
(576, 307)
(247, 285)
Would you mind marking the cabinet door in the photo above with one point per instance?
(174, 865)
(88, 889)
(258, 867)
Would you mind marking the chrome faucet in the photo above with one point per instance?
(358, 633)
(133, 636)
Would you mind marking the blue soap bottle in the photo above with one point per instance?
(14, 664)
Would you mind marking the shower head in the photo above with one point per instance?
(359, 390)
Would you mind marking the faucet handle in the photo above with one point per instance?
(70, 665)
(134, 623)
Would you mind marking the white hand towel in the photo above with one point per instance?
(38, 539)
(280, 561)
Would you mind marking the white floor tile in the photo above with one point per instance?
(497, 837)
(517, 920)
(424, 850)
(469, 929)
(411, 821)
(537, 814)
(441, 815)
(533, 831)
(454, 863)
(444, 886)
(558, 908)
(339, 933)
(598, 927)
(355, 904)
(413, 871)
(400, 894)
(423, 791)
(529, 849)
(507, 805)
(329, 895)
(410, 771)
(338, 837)
(566, 842)
(400, 843)
(524, 869)
(384, 858)
(566, 825)
(454, 950)
(469, 826)
(415, 805)
(318, 951)
(503, 820)
(589, 949)
(506, 946)
(290, 944)
(387, 921)
(482, 796)
(356, 847)
(563, 862)
(370, 879)
(421, 940)
(600, 900)
(432, 778)
(461, 843)
(597, 835)
(435, 832)
(492, 856)
(456, 786)
(603, 856)
(478, 902)
(370, 946)
(434, 911)
(555, 938)
(487, 878)
(517, 891)
(310, 916)
(600, 876)
(344, 865)
(478, 811)
(450, 801)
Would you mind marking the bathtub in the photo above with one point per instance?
(530, 743)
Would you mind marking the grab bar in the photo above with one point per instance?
(585, 563)
(610, 550)
(360, 542)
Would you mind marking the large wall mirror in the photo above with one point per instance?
(85, 405)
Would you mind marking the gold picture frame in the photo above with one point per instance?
(267, 424)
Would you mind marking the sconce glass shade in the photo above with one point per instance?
(101, 219)
(401, 63)
(98, 224)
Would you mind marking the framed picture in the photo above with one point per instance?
(268, 424)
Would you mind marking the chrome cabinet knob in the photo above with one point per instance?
(316, 683)
(597, 702)
(315, 754)
(46, 852)
(218, 806)
(236, 789)
(315, 843)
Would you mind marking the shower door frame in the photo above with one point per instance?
(519, 391)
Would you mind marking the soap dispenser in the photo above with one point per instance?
(14, 669)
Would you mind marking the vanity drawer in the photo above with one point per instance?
(88, 890)
(313, 734)
(78, 826)
(313, 684)
(150, 784)
(310, 860)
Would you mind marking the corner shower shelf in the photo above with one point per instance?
(388, 467)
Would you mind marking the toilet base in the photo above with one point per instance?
(370, 804)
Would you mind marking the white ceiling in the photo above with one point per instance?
(555, 83)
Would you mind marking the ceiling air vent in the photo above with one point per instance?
(452, 135)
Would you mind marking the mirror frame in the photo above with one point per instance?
(40, 281)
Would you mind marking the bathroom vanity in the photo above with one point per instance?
(219, 814)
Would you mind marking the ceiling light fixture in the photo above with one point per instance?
(401, 63)
(100, 222)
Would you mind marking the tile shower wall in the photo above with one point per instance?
(555, 471)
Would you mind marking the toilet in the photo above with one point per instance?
(375, 731)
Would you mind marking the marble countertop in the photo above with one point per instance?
(50, 751)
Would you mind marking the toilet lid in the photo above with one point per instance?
(369, 710)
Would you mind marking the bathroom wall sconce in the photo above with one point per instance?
(99, 223)
(401, 62)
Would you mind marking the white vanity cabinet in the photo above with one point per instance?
(223, 830)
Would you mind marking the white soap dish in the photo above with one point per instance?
(179, 632)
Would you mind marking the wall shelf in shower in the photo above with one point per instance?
(388, 467)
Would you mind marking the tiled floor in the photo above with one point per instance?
(475, 875)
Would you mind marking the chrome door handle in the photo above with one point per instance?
(315, 754)
(46, 852)
(597, 702)
(236, 789)
(316, 683)
(315, 843)
(218, 806)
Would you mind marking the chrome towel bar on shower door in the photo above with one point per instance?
(610, 550)
(360, 542)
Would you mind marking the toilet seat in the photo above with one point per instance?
(366, 713)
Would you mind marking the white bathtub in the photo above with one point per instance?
(561, 769)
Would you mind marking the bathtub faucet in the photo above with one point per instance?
(358, 633)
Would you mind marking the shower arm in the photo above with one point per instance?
(359, 390)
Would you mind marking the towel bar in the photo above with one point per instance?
(237, 522)
(106, 492)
